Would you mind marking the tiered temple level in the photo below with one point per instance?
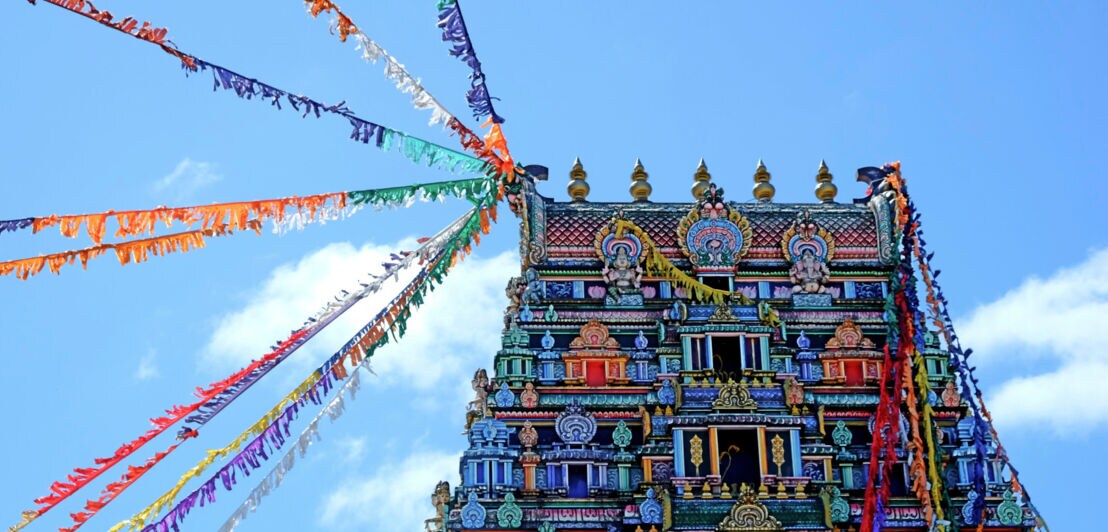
(735, 392)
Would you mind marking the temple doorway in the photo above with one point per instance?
(727, 357)
(577, 486)
(739, 458)
(594, 373)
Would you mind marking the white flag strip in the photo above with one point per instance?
(310, 435)
(405, 82)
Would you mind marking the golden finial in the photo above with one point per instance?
(706, 491)
(763, 189)
(640, 189)
(578, 189)
(825, 189)
(700, 181)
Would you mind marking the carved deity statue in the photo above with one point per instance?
(476, 408)
(623, 275)
(529, 398)
(440, 499)
(809, 274)
(515, 290)
(950, 395)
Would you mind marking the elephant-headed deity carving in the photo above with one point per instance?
(809, 248)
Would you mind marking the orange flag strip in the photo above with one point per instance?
(126, 252)
(235, 215)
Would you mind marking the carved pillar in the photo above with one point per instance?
(529, 461)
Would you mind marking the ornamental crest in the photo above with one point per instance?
(575, 425)
(840, 509)
(749, 515)
(969, 515)
(528, 436)
(650, 510)
(734, 396)
(529, 398)
(609, 246)
(849, 336)
(806, 235)
(594, 337)
(621, 436)
(712, 235)
(509, 515)
(1008, 512)
(473, 514)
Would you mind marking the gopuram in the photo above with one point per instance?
(717, 365)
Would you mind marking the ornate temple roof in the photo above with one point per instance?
(572, 227)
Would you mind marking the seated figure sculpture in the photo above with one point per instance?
(624, 278)
(809, 274)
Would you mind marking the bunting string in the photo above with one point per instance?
(249, 88)
(937, 485)
(227, 391)
(304, 210)
(147, 32)
(940, 316)
(223, 219)
(270, 424)
(371, 52)
(958, 359)
(887, 415)
(127, 252)
(454, 31)
(658, 264)
(334, 409)
(274, 425)
(406, 83)
(235, 215)
(420, 152)
(917, 469)
(14, 225)
(83, 475)
(310, 433)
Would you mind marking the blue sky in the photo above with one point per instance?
(996, 111)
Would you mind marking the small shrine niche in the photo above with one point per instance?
(487, 464)
(514, 361)
(594, 358)
(622, 270)
(809, 249)
(850, 358)
(577, 467)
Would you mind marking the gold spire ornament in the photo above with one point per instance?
(825, 189)
(640, 189)
(763, 189)
(701, 179)
(578, 189)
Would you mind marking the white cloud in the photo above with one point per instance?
(1060, 322)
(456, 331)
(351, 449)
(396, 496)
(147, 368)
(187, 177)
(439, 343)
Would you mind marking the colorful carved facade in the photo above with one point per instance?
(633, 397)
